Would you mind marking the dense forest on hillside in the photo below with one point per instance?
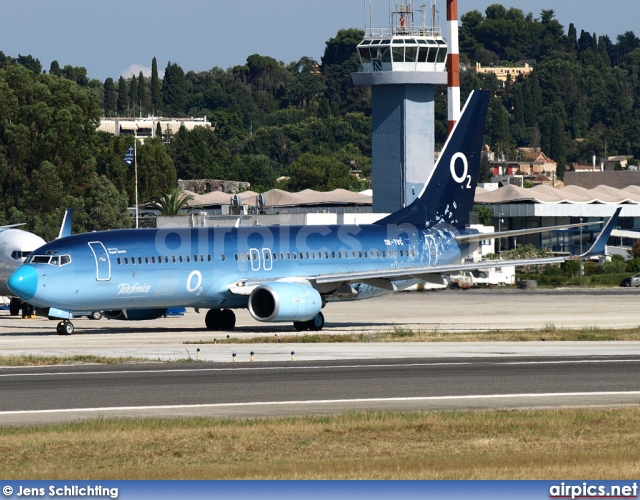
(304, 120)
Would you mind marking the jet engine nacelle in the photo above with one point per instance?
(135, 314)
(282, 301)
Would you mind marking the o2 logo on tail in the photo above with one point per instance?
(460, 179)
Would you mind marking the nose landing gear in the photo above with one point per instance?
(65, 328)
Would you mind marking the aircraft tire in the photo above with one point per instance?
(227, 319)
(301, 326)
(27, 310)
(96, 315)
(212, 319)
(316, 324)
(14, 306)
(65, 328)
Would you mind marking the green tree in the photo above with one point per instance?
(156, 91)
(174, 91)
(156, 172)
(110, 102)
(106, 206)
(171, 202)
(142, 93)
(123, 97)
(54, 69)
(133, 95)
(319, 173)
(340, 59)
(30, 63)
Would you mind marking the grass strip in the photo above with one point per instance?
(435, 334)
(504, 444)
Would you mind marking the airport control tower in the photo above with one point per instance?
(402, 63)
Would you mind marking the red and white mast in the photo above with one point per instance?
(453, 64)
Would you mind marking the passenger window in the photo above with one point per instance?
(275, 256)
(242, 257)
(188, 258)
(146, 260)
(223, 257)
(295, 256)
(140, 260)
(301, 256)
(333, 255)
(118, 259)
(281, 255)
(340, 254)
(209, 257)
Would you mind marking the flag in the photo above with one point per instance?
(128, 157)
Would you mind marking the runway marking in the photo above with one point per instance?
(328, 367)
(324, 401)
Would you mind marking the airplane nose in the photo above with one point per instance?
(24, 282)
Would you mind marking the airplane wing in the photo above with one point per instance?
(467, 238)
(13, 225)
(383, 277)
(418, 272)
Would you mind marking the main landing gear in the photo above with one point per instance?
(315, 324)
(220, 319)
(65, 327)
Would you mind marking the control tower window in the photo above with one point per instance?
(433, 51)
(442, 53)
(385, 55)
(410, 53)
(398, 54)
(365, 57)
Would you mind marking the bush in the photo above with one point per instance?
(616, 265)
(633, 266)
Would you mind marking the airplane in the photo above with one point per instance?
(15, 246)
(280, 273)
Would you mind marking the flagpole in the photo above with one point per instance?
(135, 163)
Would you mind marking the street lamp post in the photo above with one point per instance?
(500, 221)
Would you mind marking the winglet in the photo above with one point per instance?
(65, 227)
(600, 244)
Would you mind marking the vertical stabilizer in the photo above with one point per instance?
(447, 197)
(65, 227)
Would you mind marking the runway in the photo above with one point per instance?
(329, 378)
(54, 394)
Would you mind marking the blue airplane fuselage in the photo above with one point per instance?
(195, 267)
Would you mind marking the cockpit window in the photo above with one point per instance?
(17, 254)
(54, 260)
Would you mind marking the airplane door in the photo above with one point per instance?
(255, 259)
(266, 259)
(103, 263)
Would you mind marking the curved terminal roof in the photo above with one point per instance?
(280, 198)
(567, 195)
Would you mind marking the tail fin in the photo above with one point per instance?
(447, 197)
(65, 227)
(600, 245)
